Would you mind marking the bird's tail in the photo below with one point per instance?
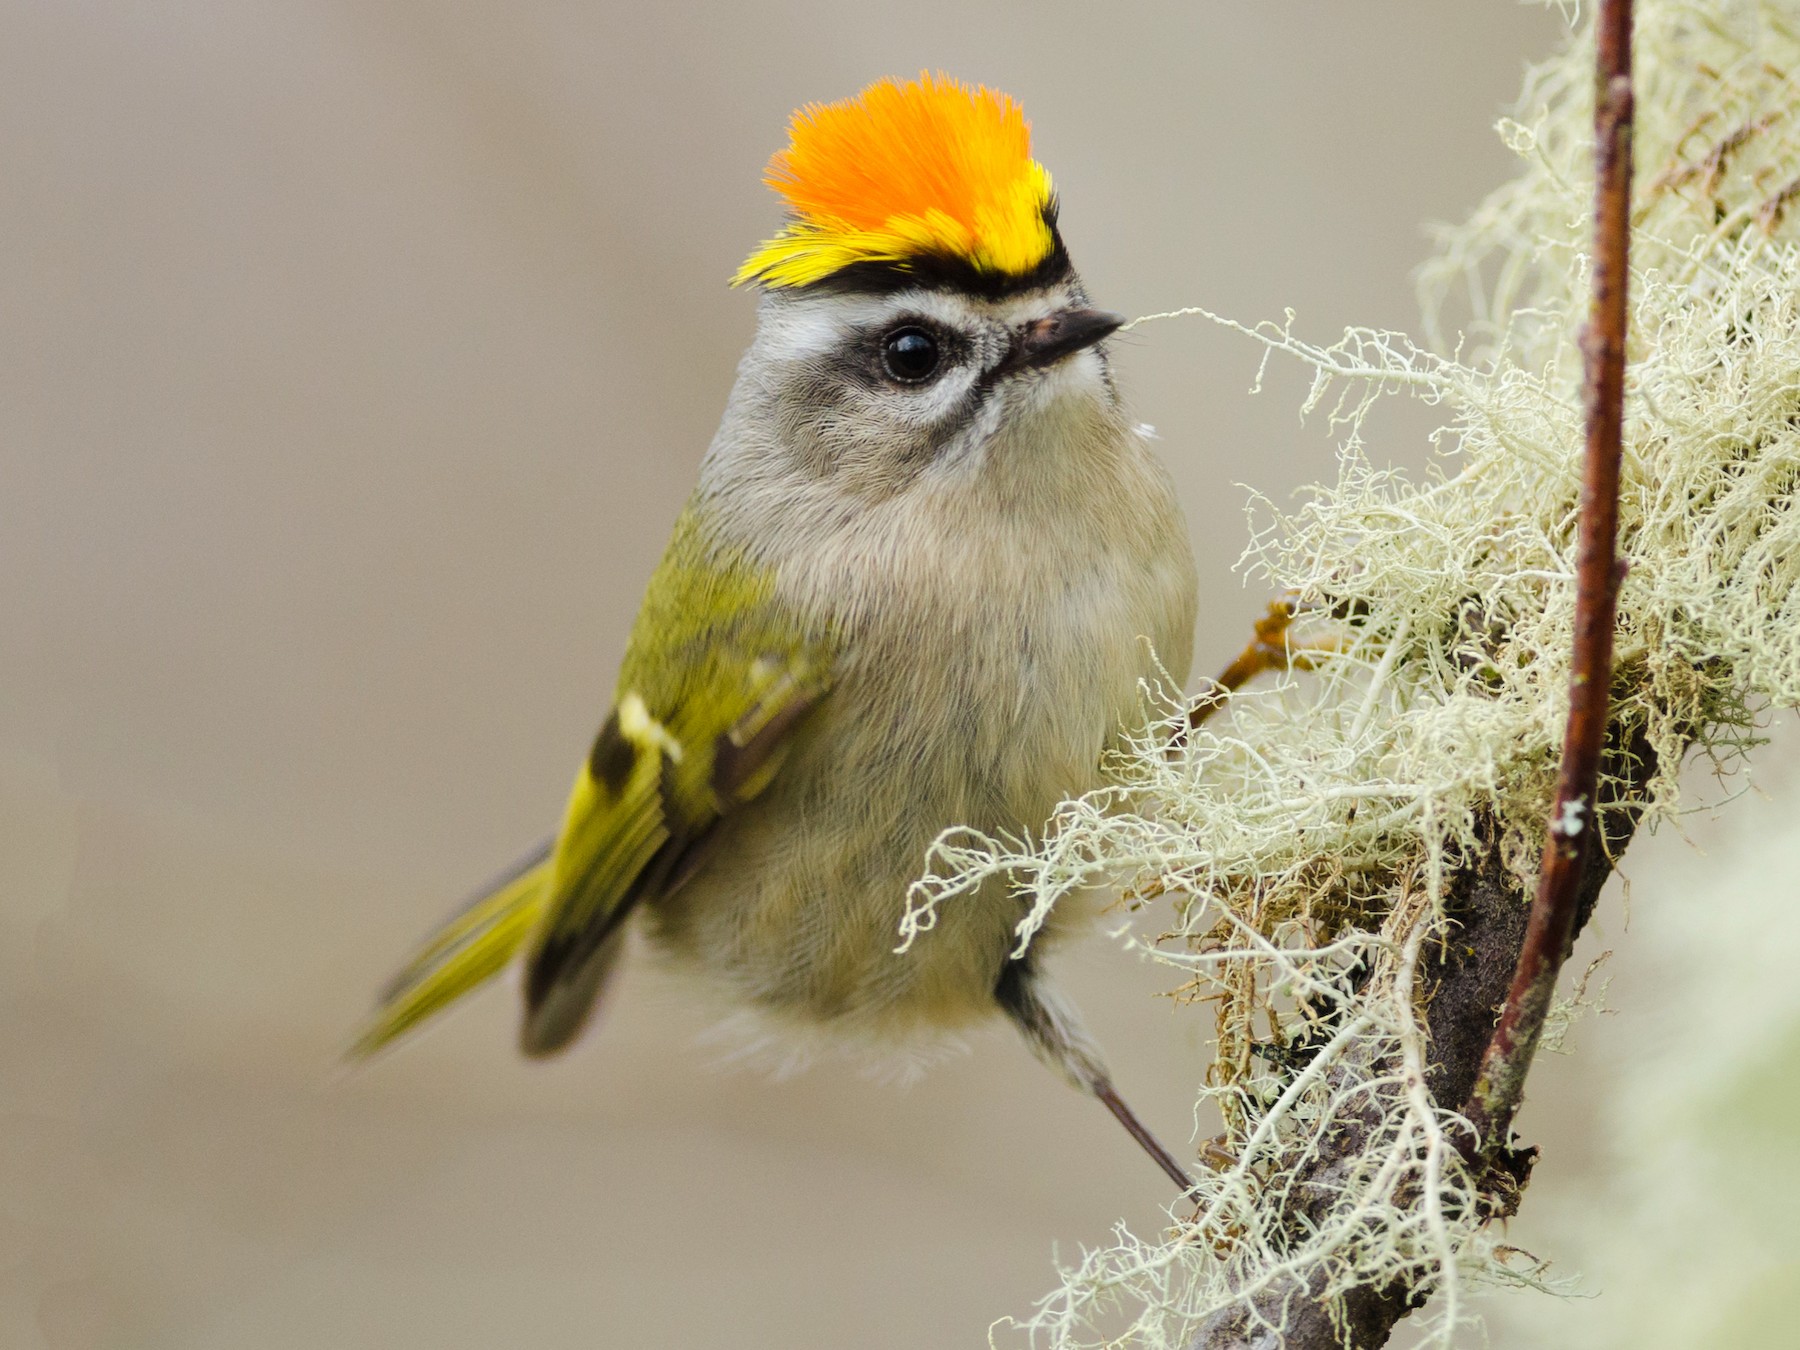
(472, 947)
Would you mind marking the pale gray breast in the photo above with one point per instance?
(990, 651)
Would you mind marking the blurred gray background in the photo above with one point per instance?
(354, 358)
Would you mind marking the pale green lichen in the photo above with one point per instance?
(1306, 835)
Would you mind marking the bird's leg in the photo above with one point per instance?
(1053, 1030)
(1110, 1098)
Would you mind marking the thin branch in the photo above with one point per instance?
(1471, 1057)
(1267, 650)
(1571, 831)
(1271, 648)
(1468, 974)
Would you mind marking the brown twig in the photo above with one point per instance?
(1572, 828)
(1468, 974)
(1267, 650)
(1472, 1058)
(1271, 648)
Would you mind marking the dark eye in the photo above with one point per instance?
(910, 355)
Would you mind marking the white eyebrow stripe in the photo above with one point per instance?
(799, 332)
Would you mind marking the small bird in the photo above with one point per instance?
(928, 562)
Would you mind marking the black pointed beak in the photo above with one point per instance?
(1044, 342)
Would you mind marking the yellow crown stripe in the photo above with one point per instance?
(930, 168)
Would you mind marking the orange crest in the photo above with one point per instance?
(902, 172)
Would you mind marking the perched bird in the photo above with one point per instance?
(927, 564)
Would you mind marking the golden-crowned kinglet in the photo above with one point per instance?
(926, 566)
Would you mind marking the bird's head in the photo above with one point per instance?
(920, 314)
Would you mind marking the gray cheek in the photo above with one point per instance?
(868, 438)
(963, 447)
(819, 417)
